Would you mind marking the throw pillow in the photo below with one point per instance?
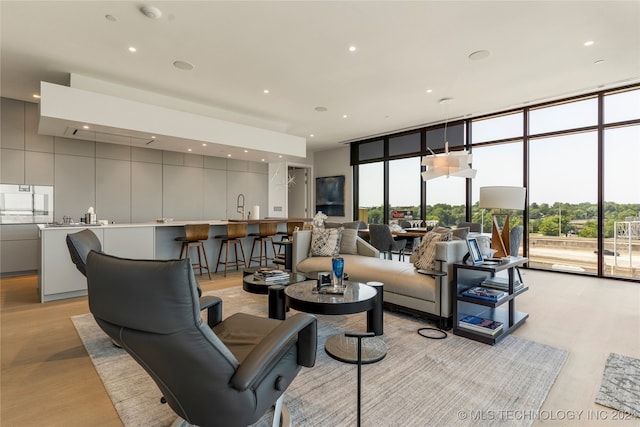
(460, 233)
(348, 243)
(325, 241)
(424, 257)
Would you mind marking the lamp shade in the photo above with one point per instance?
(502, 197)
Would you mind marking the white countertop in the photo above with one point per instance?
(44, 227)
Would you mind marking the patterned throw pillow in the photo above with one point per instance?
(425, 255)
(325, 241)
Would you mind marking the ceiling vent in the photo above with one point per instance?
(111, 138)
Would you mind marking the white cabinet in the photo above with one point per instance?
(59, 278)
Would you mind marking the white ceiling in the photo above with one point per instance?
(298, 50)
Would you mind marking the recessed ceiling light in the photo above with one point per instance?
(132, 49)
(204, 145)
(246, 151)
(280, 156)
(262, 160)
(311, 135)
(352, 48)
(429, 90)
(189, 149)
(599, 61)
(35, 95)
(479, 54)
(445, 100)
(344, 116)
(151, 12)
(110, 18)
(228, 155)
(184, 65)
(85, 127)
(153, 137)
(589, 43)
(321, 109)
(266, 91)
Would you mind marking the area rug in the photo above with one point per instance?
(620, 385)
(420, 382)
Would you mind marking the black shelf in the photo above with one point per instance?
(467, 276)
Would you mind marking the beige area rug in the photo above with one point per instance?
(421, 382)
(620, 385)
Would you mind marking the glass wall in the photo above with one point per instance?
(371, 193)
(404, 190)
(500, 165)
(621, 226)
(563, 195)
(578, 158)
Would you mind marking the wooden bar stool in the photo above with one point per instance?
(235, 232)
(288, 235)
(195, 236)
(267, 231)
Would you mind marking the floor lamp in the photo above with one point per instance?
(500, 197)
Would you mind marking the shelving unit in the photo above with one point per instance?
(467, 276)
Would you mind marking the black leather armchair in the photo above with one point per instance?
(85, 241)
(228, 375)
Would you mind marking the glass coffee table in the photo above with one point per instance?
(357, 298)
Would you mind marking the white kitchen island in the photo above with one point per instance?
(58, 277)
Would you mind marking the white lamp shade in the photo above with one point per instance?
(450, 164)
(502, 197)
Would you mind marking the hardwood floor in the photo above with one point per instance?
(48, 378)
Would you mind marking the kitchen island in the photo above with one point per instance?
(58, 277)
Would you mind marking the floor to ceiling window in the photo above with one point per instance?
(404, 189)
(563, 194)
(578, 158)
(371, 193)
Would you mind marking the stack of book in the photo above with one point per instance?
(484, 293)
(502, 283)
(478, 324)
(271, 275)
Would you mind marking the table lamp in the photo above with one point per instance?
(502, 197)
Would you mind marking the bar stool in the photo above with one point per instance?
(235, 232)
(195, 236)
(288, 235)
(267, 231)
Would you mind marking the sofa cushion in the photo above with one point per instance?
(398, 277)
(424, 256)
(348, 243)
(325, 241)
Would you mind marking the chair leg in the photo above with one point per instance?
(281, 416)
(206, 260)
(219, 255)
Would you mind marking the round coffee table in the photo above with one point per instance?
(255, 286)
(357, 298)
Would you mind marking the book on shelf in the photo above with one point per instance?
(502, 283)
(484, 293)
(480, 324)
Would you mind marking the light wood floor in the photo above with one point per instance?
(48, 379)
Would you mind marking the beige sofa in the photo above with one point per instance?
(404, 288)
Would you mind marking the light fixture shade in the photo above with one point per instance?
(502, 197)
(449, 164)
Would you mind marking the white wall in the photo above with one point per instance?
(332, 163)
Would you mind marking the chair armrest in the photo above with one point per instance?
(213, 305)
(300, 247)
(301, 327)
(365, 249)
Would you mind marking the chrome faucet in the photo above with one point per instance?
(240, 206)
